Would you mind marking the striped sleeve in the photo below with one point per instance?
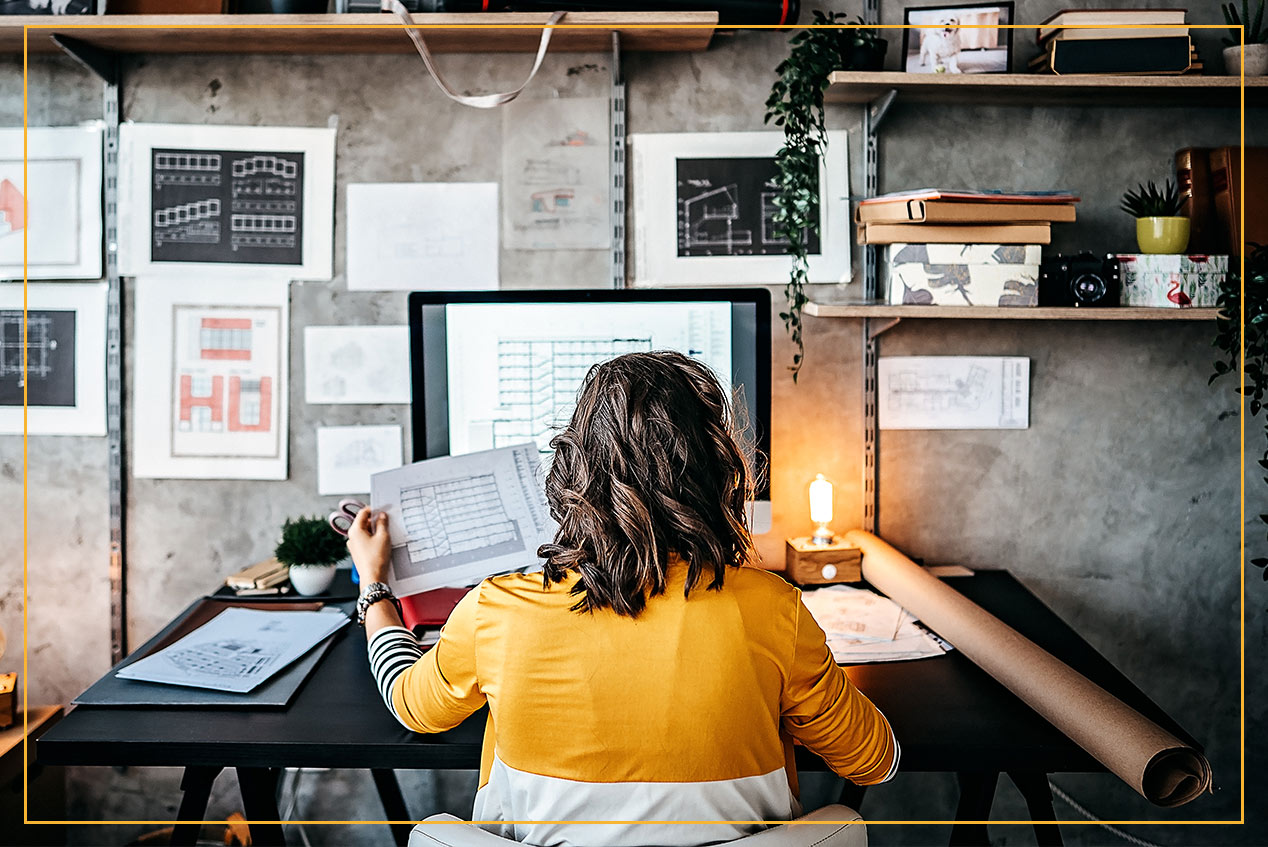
(823, 710)
(393, 650)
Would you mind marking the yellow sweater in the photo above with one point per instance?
(686, 713)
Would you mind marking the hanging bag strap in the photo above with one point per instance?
(478, 101)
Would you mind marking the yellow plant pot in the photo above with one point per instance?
(1162, 235)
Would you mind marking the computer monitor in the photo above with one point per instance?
(496, 368)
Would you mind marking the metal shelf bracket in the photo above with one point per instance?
(617, 130)
(876, 327)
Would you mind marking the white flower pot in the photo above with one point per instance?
(1256, 60)
(312, 579)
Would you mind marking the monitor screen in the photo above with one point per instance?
(497, 368)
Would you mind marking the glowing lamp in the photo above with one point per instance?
(821, 509)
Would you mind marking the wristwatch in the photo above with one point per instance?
(371, 594)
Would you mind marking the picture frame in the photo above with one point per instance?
(703, 207)
(226, 201)
(59, 228)
(970, 38)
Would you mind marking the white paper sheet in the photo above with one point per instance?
(211, 377)
(62, 217)
(458, 519)
(434, 236)
(243, 202)
(66, 363)
(556, 174)
(954, 392)
(862, 626)
(237, 650)
(356, 364)
(348, 455)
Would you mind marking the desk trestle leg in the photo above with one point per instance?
(1034, 788)
(977, 793)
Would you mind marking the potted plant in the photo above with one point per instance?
(796, 104)
(311, 549)
(1160, 228)
(1231, 343)
(1255, 36)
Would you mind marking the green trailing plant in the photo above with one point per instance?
(1253, 345)
(1150, 201)
(1241, 26)
(796, 104)
(309, 541)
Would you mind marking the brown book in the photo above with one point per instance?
(1226, 196)
(920, 210)
(1193, 177)
(912, 233)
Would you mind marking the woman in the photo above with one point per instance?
(649, 673)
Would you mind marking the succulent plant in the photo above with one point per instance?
(1253, 31)
(1148, 201)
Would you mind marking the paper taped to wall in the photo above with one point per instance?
(455, 520)
(953, 392)
(347, 456)
(356, 364)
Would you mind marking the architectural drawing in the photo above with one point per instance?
(538, 379)
(726, 208)
(347, 456)
(356, 364)
(910, 389)
(235, 659)
(455, 522)
(261, 194)
(953, 392)
(50, 349)
(555, 174)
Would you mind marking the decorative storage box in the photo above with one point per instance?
(963, 274)
(1171, 280)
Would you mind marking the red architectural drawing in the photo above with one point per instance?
(11, 211)
(214, 402)
(224, 338)
(250, 404)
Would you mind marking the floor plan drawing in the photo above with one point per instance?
(910, 389)
(953, 392)
(538, 379)
(726, 207)
(234, 658)
(50, 357)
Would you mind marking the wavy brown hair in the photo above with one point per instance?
(649, 465)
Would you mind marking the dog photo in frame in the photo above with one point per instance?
(970, 38)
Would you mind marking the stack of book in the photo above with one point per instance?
(1116, 41)
(265, 577)
(963, 248)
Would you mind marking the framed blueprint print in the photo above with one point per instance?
(227, 201)
(704, 210)
(52, 206)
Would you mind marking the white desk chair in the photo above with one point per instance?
(853, 834)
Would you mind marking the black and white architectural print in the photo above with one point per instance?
(726, 208)
(227, 206)
(50, 367)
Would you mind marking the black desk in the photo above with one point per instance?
(949, 716)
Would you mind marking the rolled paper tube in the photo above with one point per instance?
(1164, 769)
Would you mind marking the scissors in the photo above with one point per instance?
(341, 519)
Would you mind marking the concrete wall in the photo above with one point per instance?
(1118, 507)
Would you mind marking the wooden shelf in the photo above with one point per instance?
(1046, 90)
(502, 32)
(1044, 313)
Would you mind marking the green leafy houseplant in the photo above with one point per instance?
(1152, 202)
(1254, 30)
(1231, 344)
(309, 542)
(796, 104)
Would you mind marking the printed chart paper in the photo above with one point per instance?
(211, 373)
(348, 455)
(954, 392)
(237, 649)
(556, 174)
(863, 626)
(356, 364)
(432, 236)
(228, 201)
(704, 207)
(61, 219)
(66, 358)
(458, 519)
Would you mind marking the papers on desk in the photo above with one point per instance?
(862, 627)
(237, 650)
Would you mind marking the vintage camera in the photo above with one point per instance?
(1081, 280)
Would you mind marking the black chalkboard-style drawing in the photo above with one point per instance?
(226, 206)
(50, 349)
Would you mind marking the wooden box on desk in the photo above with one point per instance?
(807, 563)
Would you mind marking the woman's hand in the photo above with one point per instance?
(370, 547)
